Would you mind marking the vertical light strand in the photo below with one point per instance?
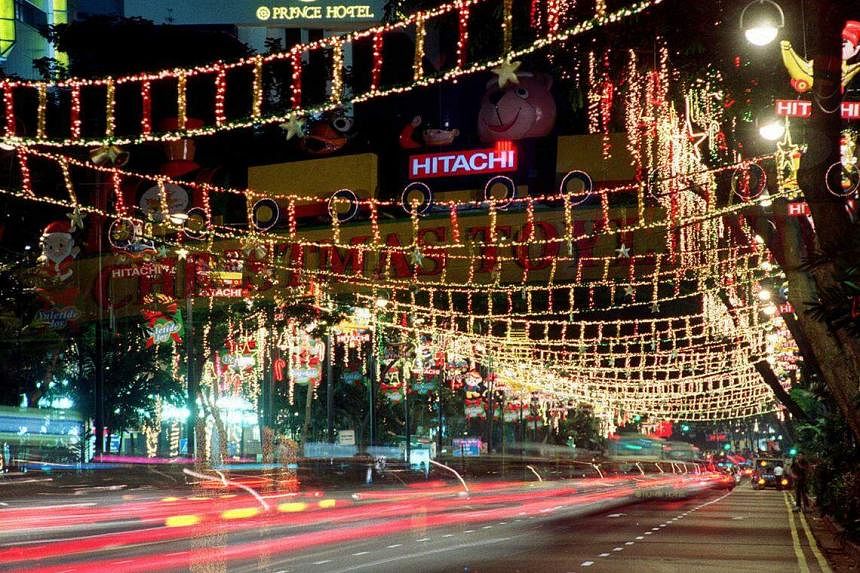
(75, 112)
(67, 181)
(376, 69)
(26, 182)
(9, 107)
(600, 9)
(42, 111)
(336, 72)
(110, 108)
(296, 84)
(420, 36)
(146, 107)
(220, 95)
(181, 101)
(257, 96)
(462, 34)
(119, 200)
(507, 26)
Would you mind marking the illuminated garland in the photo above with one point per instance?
(257, 66)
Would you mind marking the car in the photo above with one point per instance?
(765, 474)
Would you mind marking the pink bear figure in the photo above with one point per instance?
(517, 111)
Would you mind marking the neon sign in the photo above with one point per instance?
(460, 163)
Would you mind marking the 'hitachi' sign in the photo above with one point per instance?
(458, 163)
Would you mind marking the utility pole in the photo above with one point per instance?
(329, 385)
(99, 393)
(190, 424)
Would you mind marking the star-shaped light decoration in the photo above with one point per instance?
(76, 219)
(417, 256)
(162, 251)
(628, 290)
(787, 159)
(623, 251)
(507, 72)
(182, 253)
(696, 138)
(655, 308)
(295, 127)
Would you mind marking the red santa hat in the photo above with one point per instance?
(851, 32)
(58, 227)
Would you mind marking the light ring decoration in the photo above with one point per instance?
(338, 198)
(581, 176)
(265, 214)
(753, 178)
(848, 179)
(426, 197)
(196, 224)
(510, 191)
(123, 233)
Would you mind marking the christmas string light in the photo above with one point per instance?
(257, 63)
(220, 96)
(110, 109)
(146, 107)
(41, 111)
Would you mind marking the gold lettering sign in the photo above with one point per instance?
(305, 12)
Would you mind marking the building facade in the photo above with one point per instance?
(20, 40)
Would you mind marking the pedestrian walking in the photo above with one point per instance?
(800, 472)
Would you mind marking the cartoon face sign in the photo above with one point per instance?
(150, 201)
(57, 247)
(517, 111)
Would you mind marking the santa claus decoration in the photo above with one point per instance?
(58, 250)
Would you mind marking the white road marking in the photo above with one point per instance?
(395, 545)
(586, 564)
(422, 540)
(604, 554)
(448, 535)
(323, 562)
(487, 527)
(639, 538)
(360, 553)
(616, 515)
(469, 531)
(630, 543)
(649, 533)
(618, 549)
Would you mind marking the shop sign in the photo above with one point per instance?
(460, 163)
(803, 108)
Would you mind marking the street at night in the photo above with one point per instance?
(429, 286)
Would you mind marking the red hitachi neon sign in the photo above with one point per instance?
(459, 163)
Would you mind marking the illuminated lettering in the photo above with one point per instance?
(793, 108)
(850, 109)
(460, 164)
(472, 162)
(335, 12)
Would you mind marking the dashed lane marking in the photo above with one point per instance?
(586, 564)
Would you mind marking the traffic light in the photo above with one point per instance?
(727, 447)
(685, 427)
(792, 451)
